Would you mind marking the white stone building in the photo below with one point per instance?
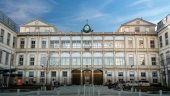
(8, 37)
(43, 54)
(163, 29)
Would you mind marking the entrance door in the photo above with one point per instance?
(76, 76)
(98, 77)
(87, 77)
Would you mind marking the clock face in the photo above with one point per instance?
(86, 28)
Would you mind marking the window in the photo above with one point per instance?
(2, 36)
(21, 60)
(65, 60)
(152, 44)
(42, 74)
(130, 43)
(87, 43)
(76, 44)
(76, 60)
(32, 58)
(166, 39)
(43, 59)
(108, 60)
(143, 74)
(141, 44)
(160, 41)
(53, 73)
(119, 44)
(97, 60)
(22, 43)
(0, 56)
(43, 43)
(32, 43)
(142, 59)
(147, 30)
(87, 60)
(31, 74)
(154, 74)
(168, 57)
(7, 58)
(64, 73)
(97, 44)
(131, 60)
(54, 44)
(8, 39)
(108, 44)
(14, 42)
(65, 44)
(37, 29)
(120, 58)
(153, 60)
(120, 73)
(137, 29)
(132, 74)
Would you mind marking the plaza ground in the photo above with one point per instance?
(80, 91)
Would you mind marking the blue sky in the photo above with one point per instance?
(71, 15)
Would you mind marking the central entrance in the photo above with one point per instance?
(87, 77)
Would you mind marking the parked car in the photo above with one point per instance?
(144, 83)
(132, 83)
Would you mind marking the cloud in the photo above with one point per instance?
(22, 11)
(141, 2)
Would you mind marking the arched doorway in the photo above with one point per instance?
(76, 77)
(87, 77)
(98, 77)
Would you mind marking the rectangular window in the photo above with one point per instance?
(154, 74)
(76, 60)
(87, 60)
(0, 56)
(2, 36)
(160, 41)
(153, 60)
(53, 73)
(132, 74)
(98, 44)
(143, 74)
(152, 44)
(130, 43)
(108, 44)
(8, 39)
(131, 60)
(137, 29)
(14, 42)
(32, 43)
(168, 57)
(65, 60)
(43, 43)
(142, 59)
(97, 60)
(42, 74)
(119, 44)
(65, 44)
(120, 73)
(21, 60)
(54, 44)
(166, 39)
(31, 74)
(32, 58)
(64, 73)
(87, 43)
(22, 43)
(108, 60)
(141, 44)
(7, 58)
(76, 44)
(43, 60)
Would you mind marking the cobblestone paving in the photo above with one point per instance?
(80, 91)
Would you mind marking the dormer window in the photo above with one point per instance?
(137, 29)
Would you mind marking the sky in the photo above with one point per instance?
(71, 15)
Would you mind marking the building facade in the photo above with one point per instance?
(163, 30)
(43, 54)
(8, 37)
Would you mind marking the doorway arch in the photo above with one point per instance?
(87, 77)
(76, 77)
(98, 77)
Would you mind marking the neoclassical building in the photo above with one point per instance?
(42, 54)
(163, 29)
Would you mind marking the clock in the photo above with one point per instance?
(86, 28)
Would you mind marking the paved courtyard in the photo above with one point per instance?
(80, 91)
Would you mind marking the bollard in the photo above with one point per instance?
(38, 93)
(119, 93)
(98, 92)
(18, 92)
(139, 92)
(84, 90)
(78, 92)
(58, 93)
(160, 92)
